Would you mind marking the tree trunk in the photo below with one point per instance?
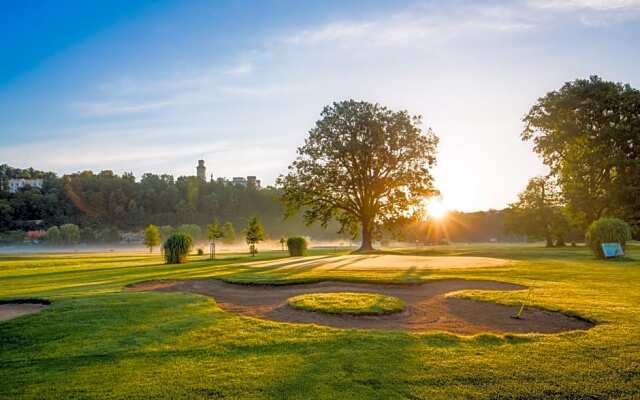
(549, 240)
(366, 238)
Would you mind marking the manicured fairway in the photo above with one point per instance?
(96, 341)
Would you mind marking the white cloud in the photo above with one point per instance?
(412, 27)
(109, 108)
(239, 69)
(331, 32)
(599, 5)
(590, 12)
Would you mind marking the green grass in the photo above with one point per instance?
(96, 341)
(347, 303)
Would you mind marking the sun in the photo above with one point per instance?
(436, 209)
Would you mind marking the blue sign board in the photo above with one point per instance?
(612, 250)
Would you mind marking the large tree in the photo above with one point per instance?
(363, 165)
(588, 133)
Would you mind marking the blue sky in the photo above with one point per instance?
(151, 86)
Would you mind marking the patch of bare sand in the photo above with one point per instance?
(382, 261)
(13, 310)
(428, 307)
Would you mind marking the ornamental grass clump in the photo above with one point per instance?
(297, 246)
(607, 230)
(177, 248)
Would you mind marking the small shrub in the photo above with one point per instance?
(607, 230)
(200, 252)
(297, 246)
(70, 233)
(177, 247)
(54, 237)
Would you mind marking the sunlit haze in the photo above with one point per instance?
(436, 208)
(146, 86)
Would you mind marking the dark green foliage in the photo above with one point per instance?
(607, 230)
(89, 235)
(200, 252)
(106, 200)
(539, 213)
(297, 246)
(177, 248)
(12, 237)
(588, 133)
(109, 235)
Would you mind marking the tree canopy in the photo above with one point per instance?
(151, 237)
(588, 133)
(214, 233)
(538, 213)
(363, 165)
(254, 234)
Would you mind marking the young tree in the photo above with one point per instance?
(283, 241)
(213, 233)
(362, 164)
(254, 234)
(538, 212)
(70, 233)
(588, 133)
(151, 237)
(54, 237)
(228, 233)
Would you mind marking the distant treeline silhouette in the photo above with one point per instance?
(107, 201)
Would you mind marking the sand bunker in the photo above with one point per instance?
(17, 308)
(377, 262)
(427, 307)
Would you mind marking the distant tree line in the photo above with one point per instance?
(461, 227)
(105, 204)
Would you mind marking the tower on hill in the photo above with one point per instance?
(201, 171)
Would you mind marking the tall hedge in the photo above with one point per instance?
(297, 246)
(607, 230)
(177, 248)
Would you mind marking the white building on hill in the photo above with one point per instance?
(17, 184)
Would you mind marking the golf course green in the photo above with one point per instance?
(96, 340)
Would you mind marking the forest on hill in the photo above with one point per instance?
(105, 204)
